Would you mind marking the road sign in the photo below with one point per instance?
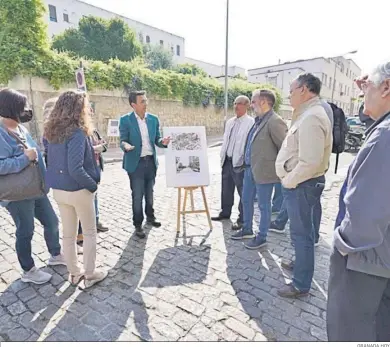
(80, 80)
(113, 128)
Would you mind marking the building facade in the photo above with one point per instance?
(64, 14)
(214, 70)
(337, 75)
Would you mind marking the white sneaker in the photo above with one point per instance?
(57, 260)
(36, 276)
(97, 277)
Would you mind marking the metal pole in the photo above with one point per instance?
(226, 66)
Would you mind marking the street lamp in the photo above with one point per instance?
(335, 70)
(226, 66)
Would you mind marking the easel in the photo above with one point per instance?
(183, 212)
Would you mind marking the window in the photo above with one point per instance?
(272, 80)
(141, 37)
(53, 13)
(161, 42)
(147, 39)
(172, 51)
(347, 72)
(66, 18)
(178, 50)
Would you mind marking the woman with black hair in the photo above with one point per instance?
(14, 158)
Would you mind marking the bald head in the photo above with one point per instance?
(241, 105)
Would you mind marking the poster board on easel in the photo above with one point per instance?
(186, 157)
(187, 167)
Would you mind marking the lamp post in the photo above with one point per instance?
(335, 70)
(226, 66)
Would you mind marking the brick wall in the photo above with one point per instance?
(113, 104)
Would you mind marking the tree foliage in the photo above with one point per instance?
(190, 69)
(100, 39)
(25, 51)
(157, 57)
(23, 41)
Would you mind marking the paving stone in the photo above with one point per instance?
(191, 306)
(240, 328)
(8, 298)
(16, 308)
(47, 290)
(184, 320)
(18, 334)
(223, 332)
(317, 321)
(276, 324)
(27, 294)
(95, 320)
(59, 336)
(36, 304)
(307, 307)
(299, 335)
(84, 333)
(111, 332)
(202, 333)
(260, 338)
(319, 333)
(169, 331)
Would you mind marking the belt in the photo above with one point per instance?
(229, 158)
(147, 157)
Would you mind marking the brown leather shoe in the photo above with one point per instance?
(289, 291)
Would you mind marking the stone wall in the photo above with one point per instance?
(113, 104)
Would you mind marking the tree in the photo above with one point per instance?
(100, 39)
(23, 41)
(190, 69)
(158, 58)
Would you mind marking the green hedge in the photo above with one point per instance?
(192, 90)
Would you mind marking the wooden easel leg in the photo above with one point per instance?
(185, 199)
(178, 208)
(206, 208)
(192, 199)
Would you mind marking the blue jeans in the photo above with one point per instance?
(282, 218)
(23, 213)
(264, 196)
(277, 199)
(141, 183)
(300, 203)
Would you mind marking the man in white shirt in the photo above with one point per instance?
(232, 159)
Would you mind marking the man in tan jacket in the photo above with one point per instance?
(261, 149)
(301, 165)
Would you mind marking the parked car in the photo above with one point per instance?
(355, 125)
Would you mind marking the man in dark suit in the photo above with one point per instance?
(139, 136)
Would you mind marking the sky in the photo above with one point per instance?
(263, 32)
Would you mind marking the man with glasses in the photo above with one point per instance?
(301, 166)
(359, 280)
(139, 136)
(232, 159)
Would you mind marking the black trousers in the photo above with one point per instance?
(231, 180)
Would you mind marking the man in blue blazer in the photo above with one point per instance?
(139, 136)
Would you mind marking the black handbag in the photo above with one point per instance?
(24, 185)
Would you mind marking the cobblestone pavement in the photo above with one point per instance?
(197, 285)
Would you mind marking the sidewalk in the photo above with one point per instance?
(114, 155)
